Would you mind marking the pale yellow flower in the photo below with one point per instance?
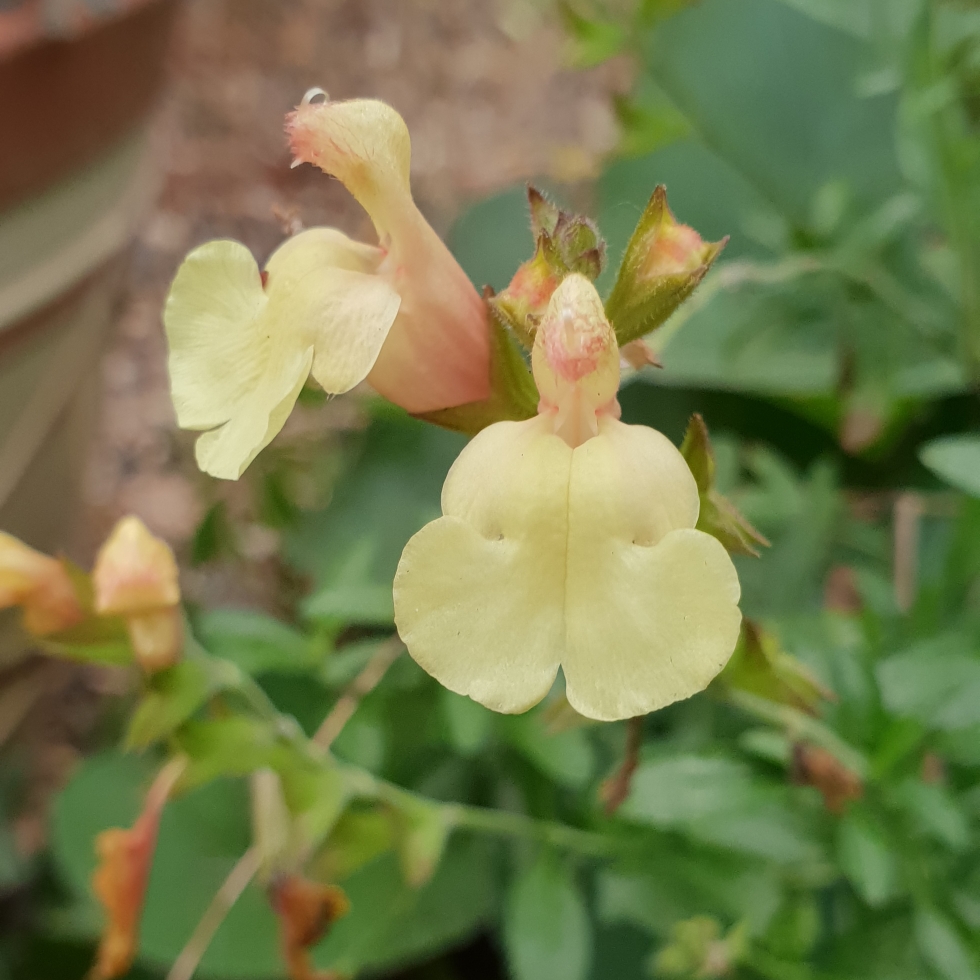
(568, 540)
(402, 314)
(40, 585)
(135, 577)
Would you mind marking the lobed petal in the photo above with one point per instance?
(241, 350)
(365, 144)
(585, 557)
(479, 592)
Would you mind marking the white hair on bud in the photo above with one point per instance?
(317, 94)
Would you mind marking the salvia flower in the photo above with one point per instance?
(569, 540)
(40, 585)
(401, 314)
(135, 577)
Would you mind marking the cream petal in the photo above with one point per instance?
(666, 624)
(210, 318)
(322, 288)
(225, 452)
(479, 592)
(241, 350)
(586, 556)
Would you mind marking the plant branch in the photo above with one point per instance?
(615, 789)
(503, 823)
(362, 685)
(225, 897)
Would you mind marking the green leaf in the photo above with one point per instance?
(567, 757)
(546, 926)
(717, 516)
(942, 947)
(935, 813)
(866, 859)
(936, 681)
(717, 801)
(676, 790)
(955, 459)
(421, 833)
(391, 487)
(171, 697)
(257, 643)
(468, 723)
(97, 640)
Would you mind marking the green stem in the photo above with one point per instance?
(503, 823)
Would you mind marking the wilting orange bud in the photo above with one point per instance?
(121, 877)
(306, 910)
(135, 576)
(38, 583)
(814, 766)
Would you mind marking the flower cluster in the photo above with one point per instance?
(568, 538)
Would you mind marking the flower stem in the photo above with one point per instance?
(503, 823)
(225, 897)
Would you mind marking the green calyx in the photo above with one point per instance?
(513, 393)
(663, 263)
(718, 517)
(564, 243)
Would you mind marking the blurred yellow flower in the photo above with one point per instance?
(568, 540)
(135, 576)
(402, 314)
(40, 585)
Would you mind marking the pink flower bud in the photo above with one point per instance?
(135, 576)
(40, 585)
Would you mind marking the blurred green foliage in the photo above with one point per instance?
(834, 352)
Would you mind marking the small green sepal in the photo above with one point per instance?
(564, 243)
(762, 667)
(718, 517)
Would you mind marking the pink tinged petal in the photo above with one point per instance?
(438, 352)
(364, 144)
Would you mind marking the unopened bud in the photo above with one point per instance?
(565, 243)
(39, 584)
(135, 576)
(663, 263)
(575, 359)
